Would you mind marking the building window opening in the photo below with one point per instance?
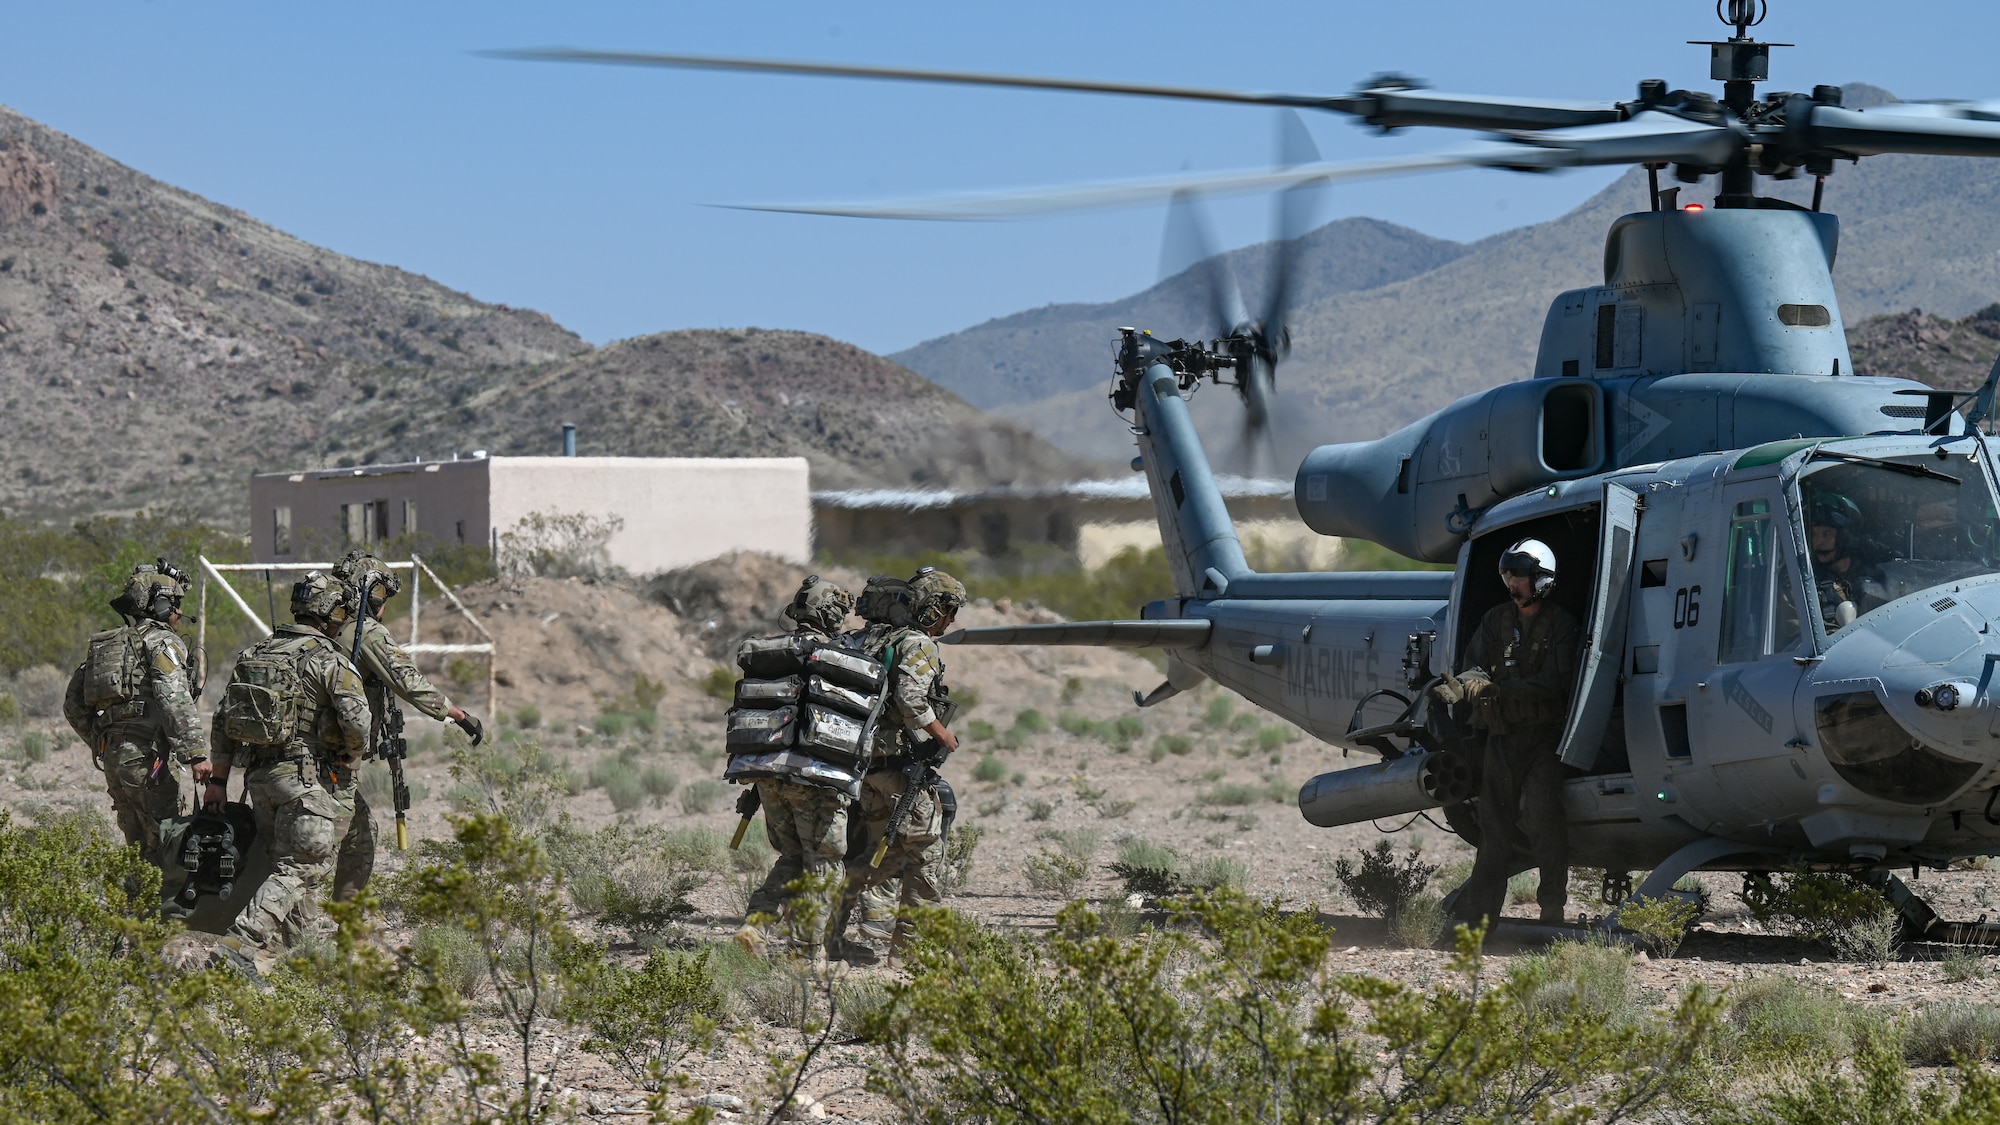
(409, 517)
(281, 530)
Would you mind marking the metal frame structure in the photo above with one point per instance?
(213, 571)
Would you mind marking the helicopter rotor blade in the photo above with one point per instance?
(1298, 207)
(1388, 102)
(1188, 244)
(1650, 137)
(1931, 129)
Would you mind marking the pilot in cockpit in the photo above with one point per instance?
(1848, 587)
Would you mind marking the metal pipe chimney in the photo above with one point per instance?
(569, 439)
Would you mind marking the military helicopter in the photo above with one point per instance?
(1694, 446)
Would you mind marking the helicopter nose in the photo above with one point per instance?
(1908, 710)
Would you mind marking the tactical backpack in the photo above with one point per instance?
(114, 669)
(885, 601)
(805, 710)
(261, 705)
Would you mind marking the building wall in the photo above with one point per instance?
(448, 500)
(676, 511)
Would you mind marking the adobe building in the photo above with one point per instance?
(671, 511)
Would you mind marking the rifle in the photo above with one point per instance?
(920, 774)
(746, 807)
(390, 745)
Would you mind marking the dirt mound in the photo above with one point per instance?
(736, 596)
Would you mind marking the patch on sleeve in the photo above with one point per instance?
(166, 661)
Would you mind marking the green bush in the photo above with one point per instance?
(1381, 884)
(1779, 1018)
(1031, 721)
(643, 1021)
(959, 850)
(1217, 713)
(1841, 911)
(1592, 977)
(701, 796)
(1179, 745)
(1421, 923)
(34, 747)
(1116, 810)
(720, 683)
(659, 782)
(990, 770)
(10, 711)
(1040, 808)
(1053, 871)
(1231, 795)
(528, 716)
(1272, 737)
(611, 724)
(1662, 922)
(979, 730)
(1216, 873)
(620, 782)
(1951, 1031)
(454, 955)
(1228, 1015)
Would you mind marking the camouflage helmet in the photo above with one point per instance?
(821, 605)
(359, 567)
(934, 596)
(320, 598)
(153, 591)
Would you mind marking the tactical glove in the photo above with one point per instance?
(473, 728)
(1448, 691)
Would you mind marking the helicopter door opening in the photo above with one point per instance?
(1594, 551)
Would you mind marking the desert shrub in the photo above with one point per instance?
(1273, 736)
(1217, 872)
(1147, 868)
(1079, 844)
(1227, 1016)
(454, 955)
(958, 856)
(720, 683)
(620, 782)
(1179, 745)
(1280, 790)
(990, 770)
(559, 545)
(701, 796)
(643, 1021)
(10, 711)
(378, 788)
(1961, 965)
(34, 747)
(1232, 796)
(1127, 729)
(39, 690)
(636, 878)
(1031, 721)
(1948, 1031)
(528, 716)
(1053, 871)
(1662, 922)
(979, 730)
(1878, 1092)
(1522, 887)
(1780, 1018)
(611, 724)
(1380, 883)
(1840, 911)
(1591, 977)
(1086, 792)
(754, 854)
(1217, 713)
(1421, 923)
(659, 782)
(1116, 810)
(1040, 808)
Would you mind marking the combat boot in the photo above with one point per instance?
(752, 939)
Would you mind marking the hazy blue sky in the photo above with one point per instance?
(369, 128)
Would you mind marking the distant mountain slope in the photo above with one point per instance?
(861, 420)
(1916, 232)
(1034, 354)
(157, 348)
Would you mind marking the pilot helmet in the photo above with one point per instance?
(1531, 557)
(1831, 509)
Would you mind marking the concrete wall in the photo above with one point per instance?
(447, 498)
(676, 511)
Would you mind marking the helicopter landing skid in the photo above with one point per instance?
(1921, 923)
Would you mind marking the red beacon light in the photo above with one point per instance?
(1693, 207)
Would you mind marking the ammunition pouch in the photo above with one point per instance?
(126, 712)
(802, 712)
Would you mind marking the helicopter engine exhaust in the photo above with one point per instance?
(1408, 784)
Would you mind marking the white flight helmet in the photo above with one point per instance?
(1531, 556)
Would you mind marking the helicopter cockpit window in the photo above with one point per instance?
(1760, 613)
(1880, 529)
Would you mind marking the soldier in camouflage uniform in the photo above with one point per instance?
(383, 665)
(132, 702)
(806, 824)
(291, 778)
(911, 726)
